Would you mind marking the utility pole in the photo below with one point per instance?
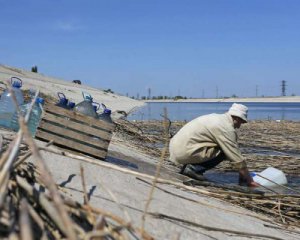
(283, 87)
(217, 92)
(149, 93)
(256, 90)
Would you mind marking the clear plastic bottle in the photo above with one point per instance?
(34, 118)
(106, 115)
(86, 107)
(7, 105)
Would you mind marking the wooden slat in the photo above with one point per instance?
(74, 131)
(71, 144)
(79, 117)
(74, 135)
(77, 126)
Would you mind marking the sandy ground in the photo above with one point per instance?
(175, 213)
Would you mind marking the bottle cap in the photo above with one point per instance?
(71, 105)
(40, 100)
(107, 111)
(17, 84)
(88, 98)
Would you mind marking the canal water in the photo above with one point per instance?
(183, 111)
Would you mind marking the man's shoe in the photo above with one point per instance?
(194, 172)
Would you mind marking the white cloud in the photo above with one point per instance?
(68, 26)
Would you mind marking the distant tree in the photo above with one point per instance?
(143, 98)
(234, 96)
(179, 97)
(109, 91)
(34, 69)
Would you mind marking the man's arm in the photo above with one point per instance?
(228, 143)
(246, 177)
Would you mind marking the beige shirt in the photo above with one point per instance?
(204, 138)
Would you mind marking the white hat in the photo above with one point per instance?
(239, 110)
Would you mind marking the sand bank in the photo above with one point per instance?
(51, 86)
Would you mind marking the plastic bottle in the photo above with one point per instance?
(96, 106)
(275, 176)
(86, 106)
(7, 105)
(64, 102)
(106, 115)
(34, 118)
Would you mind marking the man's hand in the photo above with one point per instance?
(253, 184)
(246, 178)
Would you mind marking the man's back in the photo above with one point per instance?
(201, 134)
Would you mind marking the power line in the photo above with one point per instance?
(283, 87)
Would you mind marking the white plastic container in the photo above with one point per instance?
(272, 174)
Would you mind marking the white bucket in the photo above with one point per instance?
(272, 174)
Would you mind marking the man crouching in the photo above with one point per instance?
(208, 140)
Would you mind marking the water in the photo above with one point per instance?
(180, 111)
(232, 178)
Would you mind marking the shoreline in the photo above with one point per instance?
(290, 99)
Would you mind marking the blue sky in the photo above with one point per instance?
(193, 48)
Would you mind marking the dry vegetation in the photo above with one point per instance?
(263, 143)
(28, 211)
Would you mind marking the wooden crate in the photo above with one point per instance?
(74, 131)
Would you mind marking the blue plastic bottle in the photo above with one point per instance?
(7, 105)
(64, 102)
(86, 106)
(106, 115)
(34, 118)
